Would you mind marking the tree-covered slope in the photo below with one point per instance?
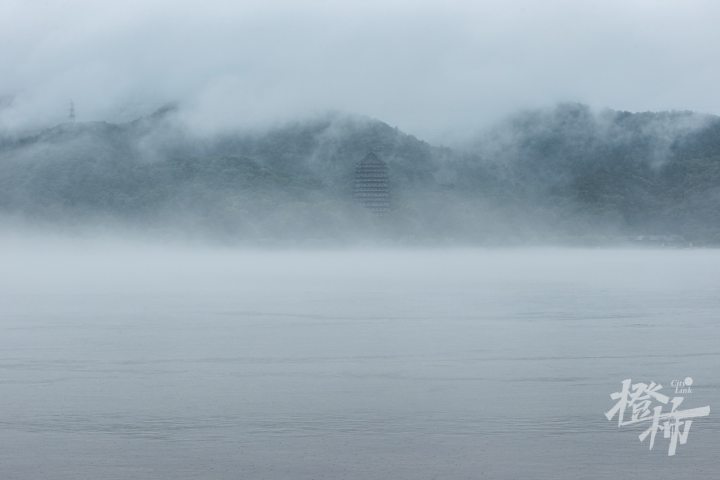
(561, 174)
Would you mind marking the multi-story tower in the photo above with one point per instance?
(371, 188)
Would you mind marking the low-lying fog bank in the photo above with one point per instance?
(84, 266)
(189, 362)
(568, 175)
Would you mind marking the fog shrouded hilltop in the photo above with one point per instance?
(561, 175)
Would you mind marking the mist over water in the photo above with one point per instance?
(356, 240)
(567, 175)
(164, 362)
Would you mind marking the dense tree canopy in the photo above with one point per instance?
(565, 174)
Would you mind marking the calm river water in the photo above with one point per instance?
(152, 363)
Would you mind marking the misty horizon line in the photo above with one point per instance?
(184, 117)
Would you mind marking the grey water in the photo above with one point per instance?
(172, 363)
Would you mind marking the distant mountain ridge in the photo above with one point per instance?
(565, 174)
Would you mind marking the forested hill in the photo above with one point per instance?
(566, 174)
(641, 173)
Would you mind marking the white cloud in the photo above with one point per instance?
(435, 68)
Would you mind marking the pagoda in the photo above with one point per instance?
(371, 187)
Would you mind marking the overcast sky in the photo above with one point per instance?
(437, 69)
